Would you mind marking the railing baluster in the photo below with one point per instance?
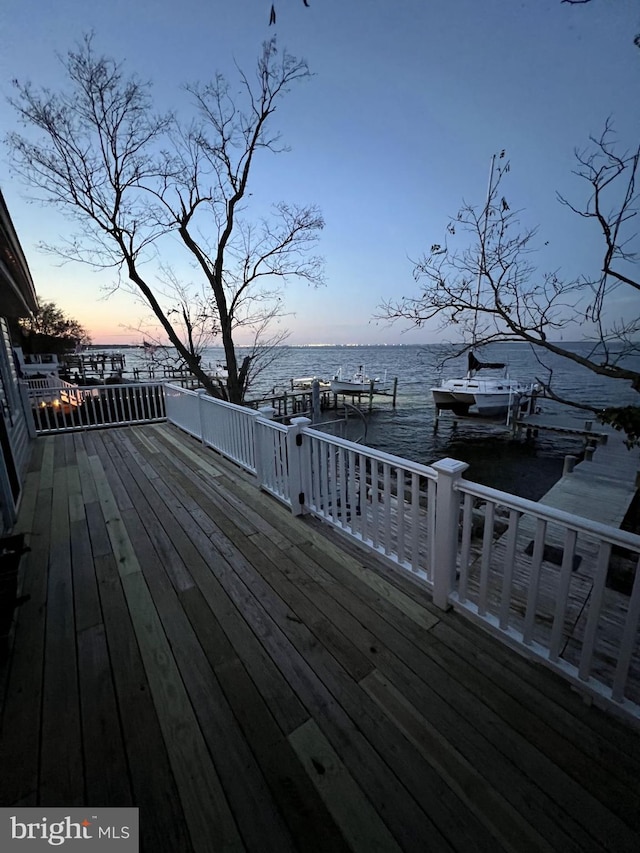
(465, 554)
(387, 507)
(326, 497)
(595, 605)
(312, 498)
(94, 410)
(564, 582)
(136, 402)
(333, 500)
(415, 521)
(47, 416)
(629, 639)
(509, 563)
(375, 528)
(362, 495)
(400, 549)
(73, 416)
(352, 492)
(534, 581)
(342, 480)
(487, 543)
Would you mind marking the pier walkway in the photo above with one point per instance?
(252, 682)
(600, 488)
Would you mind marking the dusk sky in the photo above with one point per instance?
(408, 103)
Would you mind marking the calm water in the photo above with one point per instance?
(528, 469)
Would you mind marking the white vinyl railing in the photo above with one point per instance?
(564, 587)
(386, 502)
(559, 588)
(63, 407)
(225, 427)
(46, 382)
(274, 460)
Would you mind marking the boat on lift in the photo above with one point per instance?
(359, 383)
(490, 396)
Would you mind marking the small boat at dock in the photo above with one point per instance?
(359, 383)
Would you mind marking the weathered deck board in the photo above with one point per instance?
(253, 682)
(61, 765)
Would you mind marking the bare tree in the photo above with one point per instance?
(492, 292)
(133, 181)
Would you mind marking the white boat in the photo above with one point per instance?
(359, 383)
(485, 397)
(219, 371)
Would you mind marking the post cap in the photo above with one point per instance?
(451, 467)
(267, 412)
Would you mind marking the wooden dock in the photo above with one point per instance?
(253, 682)
(600, 487)
(304, 399)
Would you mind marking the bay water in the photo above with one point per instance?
(495, 457)
(526, 468)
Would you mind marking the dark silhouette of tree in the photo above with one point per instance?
(490, 290)
(136, 184)
(49, 330)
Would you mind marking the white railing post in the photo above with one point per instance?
(447, 521)
(298, 459)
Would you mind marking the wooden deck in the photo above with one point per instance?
(253, 682)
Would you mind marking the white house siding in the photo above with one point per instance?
(16, 446)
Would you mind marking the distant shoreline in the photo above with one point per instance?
(94, 346)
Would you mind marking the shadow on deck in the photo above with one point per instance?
(253, 682)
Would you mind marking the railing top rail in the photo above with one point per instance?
(207, 398)
(378, 455)
(549, 513)
(278, 427)
(99, 387)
